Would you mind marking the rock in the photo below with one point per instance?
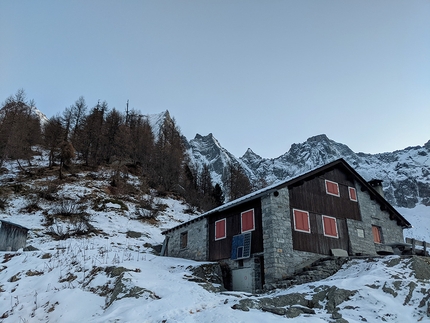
(240, 306)
(332, 296)
(336, 315)
(209, 276)
(408, 297)
(293, 312)
(134, 234)
(274, 310)
(421, 267)
(389, 290)
(123, 288)
(14, 278)
(30, 248)
(114, 271)
(336, 296)
(285, 300)
(305, 310)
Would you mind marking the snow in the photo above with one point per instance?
(419, 218)
(66, 280)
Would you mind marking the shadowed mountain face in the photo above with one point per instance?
(405, 173)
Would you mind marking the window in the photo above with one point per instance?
(352, 194)
(330, 226)
(184, 240)
(301, 221)
(332, 188)
(247, 220)
(377, 234)
(220, 229)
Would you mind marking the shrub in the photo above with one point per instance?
(47, 192)
(78, 225)
(32, 204)
(66, 208)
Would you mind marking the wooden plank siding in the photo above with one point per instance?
(221, 249)
(316, 242)
(311, 196)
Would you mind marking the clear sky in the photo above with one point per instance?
(257, 74)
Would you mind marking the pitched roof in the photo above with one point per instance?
(305, 177)
(13, 224)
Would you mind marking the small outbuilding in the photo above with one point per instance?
(12, 236)
(272, 233)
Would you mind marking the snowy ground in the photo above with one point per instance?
(67, 280)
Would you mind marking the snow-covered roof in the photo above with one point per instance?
(279, 185)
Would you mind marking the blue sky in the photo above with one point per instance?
(257, 74)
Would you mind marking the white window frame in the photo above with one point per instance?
(225, 229)
(253, 221)
(349, 192)
(294, 220)
(329, 193)
(335, 222)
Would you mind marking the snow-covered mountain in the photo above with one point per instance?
(405, 173)
(33, 111)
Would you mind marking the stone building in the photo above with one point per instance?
(270, 234)
(12, 236)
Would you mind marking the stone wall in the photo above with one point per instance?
(197, 241)
(277, 240)
(360, 238)
(372, 215)
(280, 260)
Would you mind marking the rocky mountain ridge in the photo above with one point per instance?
(405, 173)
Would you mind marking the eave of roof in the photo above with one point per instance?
(290, 182)
(14, 224)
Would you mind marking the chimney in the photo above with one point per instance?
(377, 185)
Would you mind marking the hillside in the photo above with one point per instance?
(93, 258)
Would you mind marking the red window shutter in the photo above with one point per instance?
(352, 194)
(220, 229)
(301, 221)
(376, 234)
(247, 219)
(330, 227)
(332, 188)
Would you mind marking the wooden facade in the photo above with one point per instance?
(311, 196)
(221, 249)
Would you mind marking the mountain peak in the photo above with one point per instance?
(249, 155)
(200, 137)
(318, 138)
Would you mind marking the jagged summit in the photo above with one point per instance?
(405, 173)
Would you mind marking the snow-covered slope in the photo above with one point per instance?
(112, 273)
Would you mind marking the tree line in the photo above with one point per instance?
(124, 141)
